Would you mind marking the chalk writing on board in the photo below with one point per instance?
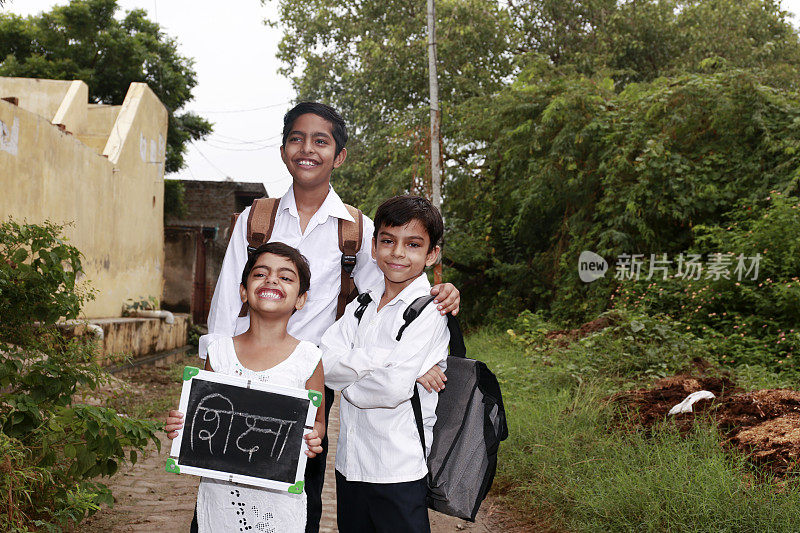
(277, 427)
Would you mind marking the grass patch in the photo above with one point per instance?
(151, 391)
(566, 465)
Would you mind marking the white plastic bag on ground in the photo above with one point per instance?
(686, 405)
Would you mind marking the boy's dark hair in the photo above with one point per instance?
(338, 127)
(400, 210)
(282, 250)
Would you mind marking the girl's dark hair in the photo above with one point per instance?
(400, 210)
(338, 127)
(282, 250)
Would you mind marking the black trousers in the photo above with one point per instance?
(315, 475)
(314, 479)
(381, 507)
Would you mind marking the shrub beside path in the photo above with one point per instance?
(148, 499)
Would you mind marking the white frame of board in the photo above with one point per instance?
(173, 462)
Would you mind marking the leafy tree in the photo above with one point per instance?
(640, 40)
(83, 40)
(595, 124)
(369, 60)
(573, 165)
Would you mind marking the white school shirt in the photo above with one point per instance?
(320, 246)
(378, 436)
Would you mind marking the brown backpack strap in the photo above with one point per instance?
(350, 236)
(260, 223)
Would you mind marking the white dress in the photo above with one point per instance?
(229, 507)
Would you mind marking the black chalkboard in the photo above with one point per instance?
(236, 428)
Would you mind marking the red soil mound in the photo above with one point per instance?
(764, 424)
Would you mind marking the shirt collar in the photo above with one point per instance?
(331, 207)
(419, 287)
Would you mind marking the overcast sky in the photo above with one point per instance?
(238, 88)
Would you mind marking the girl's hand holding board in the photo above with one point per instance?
(314, 443)
(174, 423)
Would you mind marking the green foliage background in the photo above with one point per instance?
(637, 127)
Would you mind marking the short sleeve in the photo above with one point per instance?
(219, 354)
(311, 356)
(366, 274)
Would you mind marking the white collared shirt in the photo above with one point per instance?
(320, 246)
(378, 436)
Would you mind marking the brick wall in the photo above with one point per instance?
(210, 205)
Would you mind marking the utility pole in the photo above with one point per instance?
(436, 120)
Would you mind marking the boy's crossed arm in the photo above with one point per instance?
(368, 380)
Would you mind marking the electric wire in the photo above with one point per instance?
(229, 149)
(222, 111)
(224, 174)
(226, 139)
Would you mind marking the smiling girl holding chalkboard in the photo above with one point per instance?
(274, 285)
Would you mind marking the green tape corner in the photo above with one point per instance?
(172, 466)
(297, 488)
(315, 397)
(189, 372)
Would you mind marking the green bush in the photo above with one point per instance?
(54, 447)
(632, 346)
(749, 321)
(174, 199)
(38, 275)
(567, 164)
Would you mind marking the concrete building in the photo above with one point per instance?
(99, 168)
(195, 243)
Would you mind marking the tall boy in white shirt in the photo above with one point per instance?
(314, 138)
(380, 466)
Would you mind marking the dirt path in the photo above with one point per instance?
(148, 499)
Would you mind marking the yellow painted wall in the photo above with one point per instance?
(113, 199)
(99, 123)
(42, 97)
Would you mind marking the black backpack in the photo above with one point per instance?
(470, 423)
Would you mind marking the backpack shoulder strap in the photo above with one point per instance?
(416, 406)
(350, 236)
(457, 346)
(363, 302)
(413, 311)
(261, 221)
(409, 315)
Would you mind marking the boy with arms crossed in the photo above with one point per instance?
(381, 469)
(314, 136)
